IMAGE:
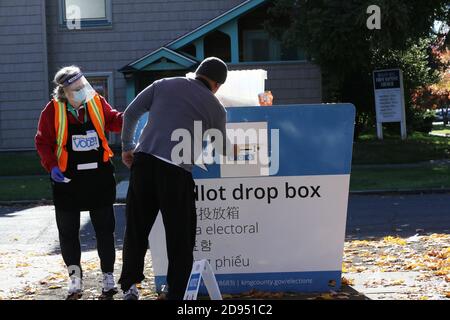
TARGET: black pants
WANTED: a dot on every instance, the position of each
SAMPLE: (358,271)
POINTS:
(68,222)
(156,185)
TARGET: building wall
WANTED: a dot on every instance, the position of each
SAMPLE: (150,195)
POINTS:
(33,46)
(290,82)
(23,71)
(138,28)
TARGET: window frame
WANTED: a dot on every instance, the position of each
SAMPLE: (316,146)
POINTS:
(114,138)
(260,34)
(109,75)
(275,47)
(86,23)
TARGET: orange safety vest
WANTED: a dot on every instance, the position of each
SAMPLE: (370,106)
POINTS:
(95,110)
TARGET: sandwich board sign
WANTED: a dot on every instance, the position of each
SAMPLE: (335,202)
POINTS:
(276,226)
(389,99)
(201,270)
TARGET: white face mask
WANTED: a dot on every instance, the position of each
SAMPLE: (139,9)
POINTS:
(80,95)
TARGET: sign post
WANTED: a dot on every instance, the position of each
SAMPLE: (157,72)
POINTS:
(389,99)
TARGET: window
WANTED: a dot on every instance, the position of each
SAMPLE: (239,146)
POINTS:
(259,46)
(100,85)
(189,50)
(102,82)
(218,44)
(79,14)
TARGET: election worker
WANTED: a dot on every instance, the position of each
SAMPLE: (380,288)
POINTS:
(72,144)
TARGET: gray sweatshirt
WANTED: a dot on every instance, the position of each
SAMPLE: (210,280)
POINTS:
(172,103)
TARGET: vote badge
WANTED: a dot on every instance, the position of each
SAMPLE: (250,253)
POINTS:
(88,142)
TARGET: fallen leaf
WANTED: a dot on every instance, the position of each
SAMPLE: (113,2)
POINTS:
(347,282)
(394,240)
(326,296)
(397,282)
(22,265)
(52,287)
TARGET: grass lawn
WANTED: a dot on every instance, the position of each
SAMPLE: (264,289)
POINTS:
(419,147)
(441,129)
(424,177)
(367,150)
(32,182)
(20,164)
(29,164)
(29,188)
(362,179)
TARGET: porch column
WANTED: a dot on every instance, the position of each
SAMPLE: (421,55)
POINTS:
(231,29)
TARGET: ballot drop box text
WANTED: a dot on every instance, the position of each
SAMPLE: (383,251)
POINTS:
(279,224)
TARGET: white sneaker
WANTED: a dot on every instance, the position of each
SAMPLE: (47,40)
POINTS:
(109,286)
(75,290)
(131,294)
(108,282)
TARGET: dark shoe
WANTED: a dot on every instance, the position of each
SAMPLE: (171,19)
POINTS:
(108,295)
(74,296)
(131,294)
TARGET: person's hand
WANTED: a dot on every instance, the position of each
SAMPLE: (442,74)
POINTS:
(127,158)
(57,175)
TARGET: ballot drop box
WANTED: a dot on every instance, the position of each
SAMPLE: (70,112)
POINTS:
(273,217)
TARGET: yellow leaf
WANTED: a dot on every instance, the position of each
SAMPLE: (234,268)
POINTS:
(22,265)
(347,282)
(326,296)
(145,293)
(397,282)
(394,240)
(52,287)
(438,236)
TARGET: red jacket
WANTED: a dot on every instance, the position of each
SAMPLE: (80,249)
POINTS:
(46,135)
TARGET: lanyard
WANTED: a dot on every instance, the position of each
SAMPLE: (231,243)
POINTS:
(74,112)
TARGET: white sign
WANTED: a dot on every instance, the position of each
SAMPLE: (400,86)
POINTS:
(201,270)
(243,223)
(273,230)
(389,98)
(389,105)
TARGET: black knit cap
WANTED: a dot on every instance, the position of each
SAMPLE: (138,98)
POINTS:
(213,68)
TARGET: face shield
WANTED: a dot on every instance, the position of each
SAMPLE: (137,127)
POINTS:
(78,90)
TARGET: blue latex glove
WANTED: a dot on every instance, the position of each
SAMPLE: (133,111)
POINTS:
(57,175)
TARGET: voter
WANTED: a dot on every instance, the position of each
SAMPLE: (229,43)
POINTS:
(160,182)
(72,144)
